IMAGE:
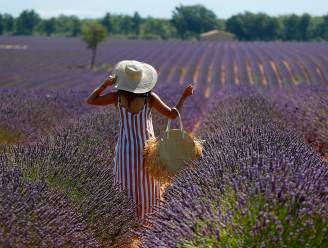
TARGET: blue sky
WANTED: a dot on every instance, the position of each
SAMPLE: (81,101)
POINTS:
(160,8)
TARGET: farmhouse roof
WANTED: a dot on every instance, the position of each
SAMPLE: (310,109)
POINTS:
(214,31)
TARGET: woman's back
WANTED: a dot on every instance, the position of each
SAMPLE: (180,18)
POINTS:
(133,102)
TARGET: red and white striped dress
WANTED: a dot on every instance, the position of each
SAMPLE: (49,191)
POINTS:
(129,170)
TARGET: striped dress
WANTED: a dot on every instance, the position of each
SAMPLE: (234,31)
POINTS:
(129,171)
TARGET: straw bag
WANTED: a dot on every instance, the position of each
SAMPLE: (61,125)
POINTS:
(166,156)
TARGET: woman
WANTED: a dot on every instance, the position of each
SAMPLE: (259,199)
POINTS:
(134,100)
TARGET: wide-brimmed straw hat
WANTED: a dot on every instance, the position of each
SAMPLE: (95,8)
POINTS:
(135,76)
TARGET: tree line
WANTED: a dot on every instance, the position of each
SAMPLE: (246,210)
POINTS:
(187,22)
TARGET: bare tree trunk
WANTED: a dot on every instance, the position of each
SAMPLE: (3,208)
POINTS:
(94,50)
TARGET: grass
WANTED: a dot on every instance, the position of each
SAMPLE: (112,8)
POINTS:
(8,136)
(57,182)
(283,226)
(102,67)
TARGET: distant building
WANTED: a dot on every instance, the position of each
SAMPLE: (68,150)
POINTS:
(217,35)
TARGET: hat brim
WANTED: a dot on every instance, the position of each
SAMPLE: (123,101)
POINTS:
(146,83)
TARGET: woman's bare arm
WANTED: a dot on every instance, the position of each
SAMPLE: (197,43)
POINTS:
(164,109)
(110,98)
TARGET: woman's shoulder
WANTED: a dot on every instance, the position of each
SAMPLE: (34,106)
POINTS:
(152,93)
(153,96)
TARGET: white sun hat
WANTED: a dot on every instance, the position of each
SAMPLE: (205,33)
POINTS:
(135,76)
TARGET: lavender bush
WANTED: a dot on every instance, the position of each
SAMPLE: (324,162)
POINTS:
(78,161)
(33,215)
(306,106)
(29,114)
(257,185)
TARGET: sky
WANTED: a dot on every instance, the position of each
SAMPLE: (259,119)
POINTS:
(161,8)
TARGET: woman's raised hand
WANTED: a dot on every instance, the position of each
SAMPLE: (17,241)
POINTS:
(110,80)
(189,90)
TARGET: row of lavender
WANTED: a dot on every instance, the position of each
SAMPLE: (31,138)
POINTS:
(306,107)
(258,183)
(27,114)
(63,62)
(59,192)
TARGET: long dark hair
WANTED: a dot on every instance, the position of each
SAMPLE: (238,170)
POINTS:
(132,95)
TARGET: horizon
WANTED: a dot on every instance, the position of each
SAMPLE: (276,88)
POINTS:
(148,8)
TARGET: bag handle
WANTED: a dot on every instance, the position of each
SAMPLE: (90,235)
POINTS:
(169,124)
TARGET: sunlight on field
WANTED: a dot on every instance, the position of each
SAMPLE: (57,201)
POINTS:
(277,74)
(321,75)
(290,72)
(8,136)
(223,78)
(236,73)
(135,243)
(197,125)
(264,80)
(250,74)
(16,47)
(182,72)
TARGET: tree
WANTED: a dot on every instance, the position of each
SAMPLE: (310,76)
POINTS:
(220,24)
(67,25)
(1,25)
(155,28)
(236,25)
(250,26)
(26,22)
(304,27)
(106,21)
(76,26)
(47,26)
(190,21)
(321,30)
(291,24)
(8,23)
(93,33)
(136,20)
(126,24)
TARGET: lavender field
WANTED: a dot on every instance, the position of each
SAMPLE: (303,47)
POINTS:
(40,62)
(261,107)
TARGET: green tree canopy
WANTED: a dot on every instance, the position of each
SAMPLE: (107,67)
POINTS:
(8,23)
(250,26)
(93,33)
(47,26)
(136,22)
(187,22)
(192,20)
(106,21)
(304,27)
(67,25)
(1,25)
(322,28)
(155,28)
(26,22)
(291,30)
